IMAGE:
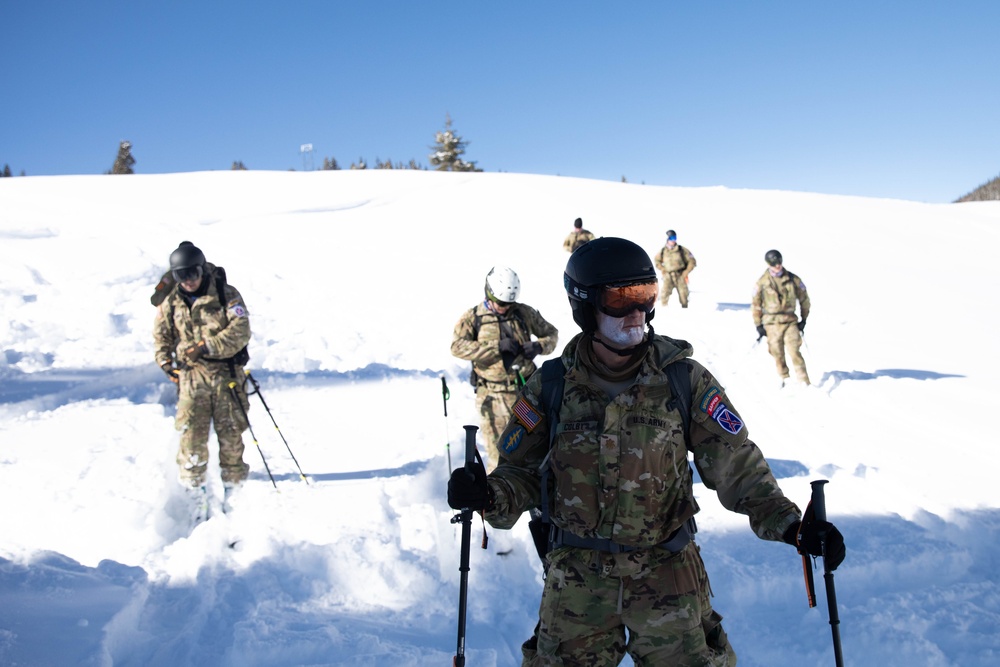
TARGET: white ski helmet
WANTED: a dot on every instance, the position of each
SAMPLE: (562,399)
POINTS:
(502,284)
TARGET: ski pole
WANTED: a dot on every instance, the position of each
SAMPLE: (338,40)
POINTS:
(445,395)
(256,390)
(819,508)
(236,398)
(466,518)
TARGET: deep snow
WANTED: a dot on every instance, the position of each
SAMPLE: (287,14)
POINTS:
(354,281)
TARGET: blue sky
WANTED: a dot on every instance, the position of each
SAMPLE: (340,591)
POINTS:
(884,99)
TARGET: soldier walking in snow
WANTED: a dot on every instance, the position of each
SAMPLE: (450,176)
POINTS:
(773,309)
(675,262)
(200,336)
(496,336)
(577,237)
(623,574)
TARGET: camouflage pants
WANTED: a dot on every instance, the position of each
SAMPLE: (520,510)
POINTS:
(494,412)
(785,337)
(205,399)
(673,281)
(591,598)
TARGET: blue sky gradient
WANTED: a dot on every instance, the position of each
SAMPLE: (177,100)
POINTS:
(885,99)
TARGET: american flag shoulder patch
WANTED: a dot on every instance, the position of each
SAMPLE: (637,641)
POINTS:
(526,414)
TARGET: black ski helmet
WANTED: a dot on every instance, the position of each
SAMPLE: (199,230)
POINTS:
(671,233)
(772,257)
(186,256)
(603,261)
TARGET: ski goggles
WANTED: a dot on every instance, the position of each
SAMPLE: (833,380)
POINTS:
(187,273)
(620,300)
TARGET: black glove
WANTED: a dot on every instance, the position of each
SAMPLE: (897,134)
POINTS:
(509,346)
(171,372)
(195,352)
(468,490)
(531,349)
(760,331)
(802,326)
(809,537)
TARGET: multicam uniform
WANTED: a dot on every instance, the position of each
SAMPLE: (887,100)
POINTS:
(476,338)
(204,395)
(577,238)
(674,264)
(773,305)
(620,479)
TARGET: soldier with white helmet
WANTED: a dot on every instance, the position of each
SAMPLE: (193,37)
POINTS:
(501,337)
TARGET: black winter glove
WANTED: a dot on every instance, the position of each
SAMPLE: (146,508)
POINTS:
(468,490)
(531,350)
(811,535)
(802,326)
(760,332)
(171,372)
(195,352)
(509,346)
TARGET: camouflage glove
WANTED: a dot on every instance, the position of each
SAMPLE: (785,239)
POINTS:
(760,332)
(195,352)
(468,489)
(171,372)
(802,326)
(531,349)
(817,538)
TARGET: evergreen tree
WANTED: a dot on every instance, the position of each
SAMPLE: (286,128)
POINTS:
(360,165)
(6,171)
(124,161)
(448,151)
(330,164)
(238,166)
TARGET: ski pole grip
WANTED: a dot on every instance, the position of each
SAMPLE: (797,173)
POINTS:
(470,446)
(819,499)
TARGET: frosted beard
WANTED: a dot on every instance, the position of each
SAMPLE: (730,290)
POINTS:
(621,332)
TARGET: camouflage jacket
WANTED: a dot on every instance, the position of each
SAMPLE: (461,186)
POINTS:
(774,298)
(577,239)
(477,338)
(177,326)
(675,260)
(619,467)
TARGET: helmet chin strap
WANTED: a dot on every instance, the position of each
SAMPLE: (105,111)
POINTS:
(629,351)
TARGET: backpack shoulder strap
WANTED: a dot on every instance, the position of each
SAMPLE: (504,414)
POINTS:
(553,382)
(679,376)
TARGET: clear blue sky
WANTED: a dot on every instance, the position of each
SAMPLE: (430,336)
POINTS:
(886,99)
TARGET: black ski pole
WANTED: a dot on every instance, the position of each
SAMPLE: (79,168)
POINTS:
(445,395)
(819,509)
(236,398)
(466,518)
(256,390)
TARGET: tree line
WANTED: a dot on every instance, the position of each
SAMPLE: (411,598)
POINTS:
(448,149)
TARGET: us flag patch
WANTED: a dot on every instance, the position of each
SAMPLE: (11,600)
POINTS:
(526,414)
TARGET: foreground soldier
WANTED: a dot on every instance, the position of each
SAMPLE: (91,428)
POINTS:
(197,336)
(773,309)
(577,237)
(675,263)
(617,485)
(496,337)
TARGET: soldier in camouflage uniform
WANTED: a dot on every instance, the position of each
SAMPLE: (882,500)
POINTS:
(577,237)
(675,262)
(624,574)
(496,336)
(196,333)
(773,309)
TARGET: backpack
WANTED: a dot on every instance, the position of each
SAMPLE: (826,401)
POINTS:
(166,284)
(553,382)
(477,322)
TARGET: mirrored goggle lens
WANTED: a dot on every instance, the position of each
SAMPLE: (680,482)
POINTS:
(621,300)
(187,273)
